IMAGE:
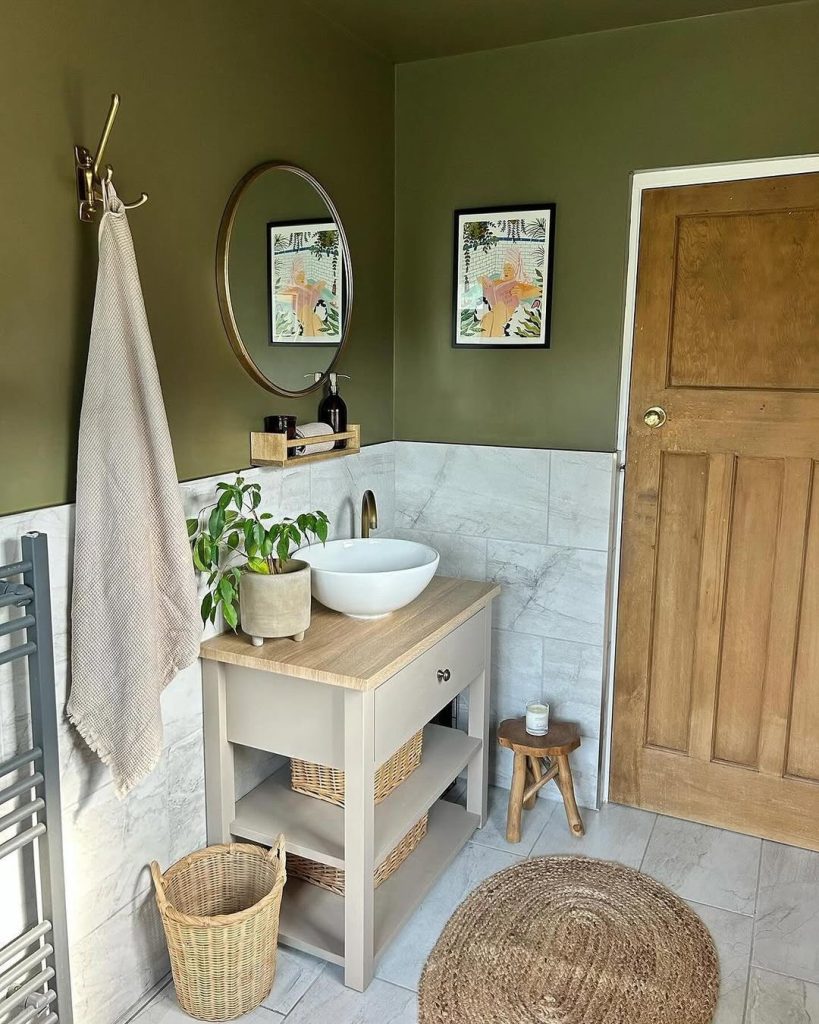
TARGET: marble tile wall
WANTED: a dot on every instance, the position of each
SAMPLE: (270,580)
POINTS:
(117,949)
(538,522)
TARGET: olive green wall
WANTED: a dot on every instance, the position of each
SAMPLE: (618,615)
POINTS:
(568,121)
(208,89)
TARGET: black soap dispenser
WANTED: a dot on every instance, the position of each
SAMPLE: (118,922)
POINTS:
(333,408)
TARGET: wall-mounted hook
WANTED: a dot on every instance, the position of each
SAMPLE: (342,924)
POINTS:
(89,174)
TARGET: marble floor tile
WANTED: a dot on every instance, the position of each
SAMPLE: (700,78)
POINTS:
(613,833)
(786,937)
(732,934)
(403,961)
(295,973)
(327,1001)
(494,831)
(776,999)
(705,864)
(580,496)
(549,591)
(461,556)
(165,1009)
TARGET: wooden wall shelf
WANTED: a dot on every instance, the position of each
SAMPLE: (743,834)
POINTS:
(275,450)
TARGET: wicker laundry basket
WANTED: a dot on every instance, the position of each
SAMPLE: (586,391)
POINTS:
(220,911)
(327,877)
(328,783)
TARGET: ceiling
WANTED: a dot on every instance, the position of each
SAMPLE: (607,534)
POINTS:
(405,30)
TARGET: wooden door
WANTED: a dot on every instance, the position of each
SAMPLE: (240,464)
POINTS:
(716,714)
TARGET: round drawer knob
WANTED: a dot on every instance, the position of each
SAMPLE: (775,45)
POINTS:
(444,675)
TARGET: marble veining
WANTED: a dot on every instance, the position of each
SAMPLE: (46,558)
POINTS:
(704,864)
(775,999)
(786,937)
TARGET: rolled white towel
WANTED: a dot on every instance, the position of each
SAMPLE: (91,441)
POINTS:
(314,430)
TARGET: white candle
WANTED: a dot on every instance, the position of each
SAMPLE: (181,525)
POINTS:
(537,718)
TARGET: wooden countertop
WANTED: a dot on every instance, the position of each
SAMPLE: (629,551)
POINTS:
(358,654)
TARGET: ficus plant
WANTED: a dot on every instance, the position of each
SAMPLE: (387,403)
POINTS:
(231,537)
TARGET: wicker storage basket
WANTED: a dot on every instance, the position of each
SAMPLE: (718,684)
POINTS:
(328,783)
(220,911)
(327,877)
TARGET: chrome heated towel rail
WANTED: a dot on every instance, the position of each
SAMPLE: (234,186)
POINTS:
(35,984)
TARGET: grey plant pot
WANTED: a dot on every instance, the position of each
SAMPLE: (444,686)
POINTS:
(278,605)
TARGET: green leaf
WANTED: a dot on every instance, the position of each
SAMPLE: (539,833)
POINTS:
(258,565)
(224,500)
(266,515)
(283,546)
(231,616)
(233,540)
(321,530)
(192,526)
(216,522)
(226,589)
(207,607)
(201,554)
(256,496)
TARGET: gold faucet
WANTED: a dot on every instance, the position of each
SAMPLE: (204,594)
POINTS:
(369,514)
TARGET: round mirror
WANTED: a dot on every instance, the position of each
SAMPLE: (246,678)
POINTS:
(284,278)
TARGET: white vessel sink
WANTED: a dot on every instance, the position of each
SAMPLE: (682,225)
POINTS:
(368,579)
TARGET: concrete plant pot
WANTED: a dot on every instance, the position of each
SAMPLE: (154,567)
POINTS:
(277,605)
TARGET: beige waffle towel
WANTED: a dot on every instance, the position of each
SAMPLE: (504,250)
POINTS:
(134,615)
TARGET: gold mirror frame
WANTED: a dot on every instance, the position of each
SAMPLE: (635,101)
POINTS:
(223,280)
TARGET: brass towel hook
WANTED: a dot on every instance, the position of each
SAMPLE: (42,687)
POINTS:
(90,172)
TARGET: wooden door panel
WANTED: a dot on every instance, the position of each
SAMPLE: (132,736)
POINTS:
(803,742)
(717,663)
(735,323)
(679,550)
(757,495)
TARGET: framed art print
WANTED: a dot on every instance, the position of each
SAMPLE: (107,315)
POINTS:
(503,277)
(305,283)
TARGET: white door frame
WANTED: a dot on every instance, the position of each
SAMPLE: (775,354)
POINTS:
(640,181)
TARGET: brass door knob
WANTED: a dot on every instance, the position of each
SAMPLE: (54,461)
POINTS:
(654,417)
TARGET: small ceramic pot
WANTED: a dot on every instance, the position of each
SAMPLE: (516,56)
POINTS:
(278,605)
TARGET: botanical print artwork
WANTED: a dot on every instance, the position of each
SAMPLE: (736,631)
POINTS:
(503,276)
(305,276)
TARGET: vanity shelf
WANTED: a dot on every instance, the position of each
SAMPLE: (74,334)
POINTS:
(312,919)
(315,828)
(267,449)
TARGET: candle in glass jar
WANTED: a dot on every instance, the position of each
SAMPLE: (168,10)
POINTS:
(537,718)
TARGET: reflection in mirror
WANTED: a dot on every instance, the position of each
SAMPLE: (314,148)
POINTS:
(285,284)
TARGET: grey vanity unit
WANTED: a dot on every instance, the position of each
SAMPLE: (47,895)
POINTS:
(349,696)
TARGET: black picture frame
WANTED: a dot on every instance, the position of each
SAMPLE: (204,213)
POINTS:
(273,225)
(505,212)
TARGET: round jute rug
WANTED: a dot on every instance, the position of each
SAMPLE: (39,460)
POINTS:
(570,940)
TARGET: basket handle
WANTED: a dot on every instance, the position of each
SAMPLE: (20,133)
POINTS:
(278,850)
(156,875)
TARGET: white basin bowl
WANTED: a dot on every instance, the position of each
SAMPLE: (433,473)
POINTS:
(368,579)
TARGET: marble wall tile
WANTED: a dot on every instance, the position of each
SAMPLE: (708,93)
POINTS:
(185,773)
(573,683)
(461,556)
(786,937)
(550,591)
(775,999)
(704,864)
(337,486)
(732,935)
(473,490)
(517,673)
(580,499)
(114,966)
(108,844)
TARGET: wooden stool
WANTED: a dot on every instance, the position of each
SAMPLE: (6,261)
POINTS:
(538,759)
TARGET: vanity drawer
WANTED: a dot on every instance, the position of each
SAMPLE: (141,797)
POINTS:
(410,698)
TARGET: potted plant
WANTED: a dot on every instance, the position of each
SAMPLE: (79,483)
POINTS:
(246,557)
